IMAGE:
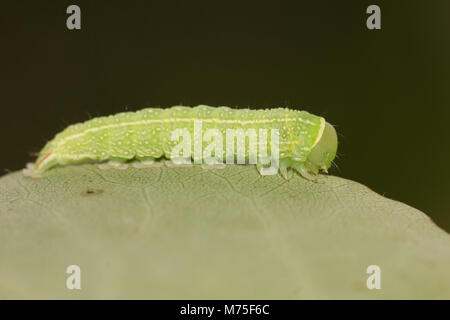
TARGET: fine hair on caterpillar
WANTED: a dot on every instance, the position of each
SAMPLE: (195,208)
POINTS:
(276,140)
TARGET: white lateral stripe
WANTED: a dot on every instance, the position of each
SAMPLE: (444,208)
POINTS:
(93,156)
(143,122)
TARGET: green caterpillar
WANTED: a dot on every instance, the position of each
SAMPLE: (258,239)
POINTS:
(304,142)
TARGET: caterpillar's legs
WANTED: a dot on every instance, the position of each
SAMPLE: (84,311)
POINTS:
(213,164)
(28,171)
(287,167)
(284,168)
(259,167)
(312,168)
(268,166)
(179,163)
(217,166)
(146,162)
(300,167)
(114,163)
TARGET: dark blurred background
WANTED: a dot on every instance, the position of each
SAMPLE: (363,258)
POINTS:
(385,90)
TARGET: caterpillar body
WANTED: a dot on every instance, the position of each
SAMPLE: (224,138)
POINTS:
(306,143)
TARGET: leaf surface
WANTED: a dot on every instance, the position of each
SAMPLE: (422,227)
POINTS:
(190,233)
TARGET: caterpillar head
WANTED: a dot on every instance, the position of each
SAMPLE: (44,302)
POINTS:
(324,151)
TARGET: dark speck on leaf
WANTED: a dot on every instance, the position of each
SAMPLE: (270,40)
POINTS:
(92,192)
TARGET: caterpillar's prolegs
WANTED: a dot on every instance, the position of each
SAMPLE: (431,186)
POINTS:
(28,171)
(147,164)
(171,164)
(138,163)
(287,167)
(152,163)
(114,163)
(218,166)
(304,172)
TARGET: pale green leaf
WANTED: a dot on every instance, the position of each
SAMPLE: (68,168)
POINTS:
(191,233)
